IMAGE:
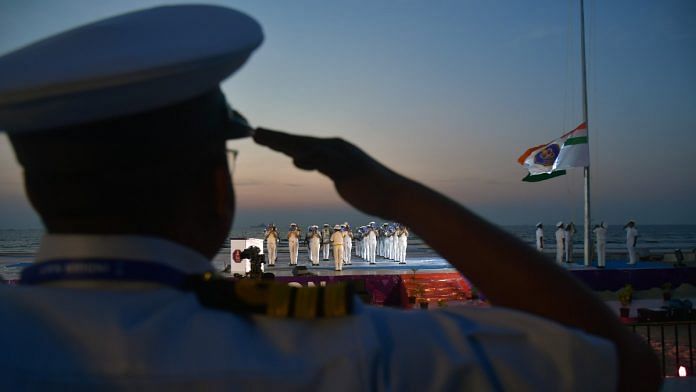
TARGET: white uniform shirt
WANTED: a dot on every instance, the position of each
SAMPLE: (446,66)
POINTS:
(560,236)
(631,234)
(337,238)
(158,338)
(272,237)
(600,235)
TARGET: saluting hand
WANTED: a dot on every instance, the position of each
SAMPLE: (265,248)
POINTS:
(363,182)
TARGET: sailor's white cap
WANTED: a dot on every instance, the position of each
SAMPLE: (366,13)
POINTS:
(559,224)
(123,65)
(293,224)
(337,227)
(538,224)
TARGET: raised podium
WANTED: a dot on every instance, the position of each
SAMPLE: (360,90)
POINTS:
(238,265)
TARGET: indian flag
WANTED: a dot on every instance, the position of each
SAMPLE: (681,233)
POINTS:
(550,159)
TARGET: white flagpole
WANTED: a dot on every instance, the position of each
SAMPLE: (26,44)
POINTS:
(585,120)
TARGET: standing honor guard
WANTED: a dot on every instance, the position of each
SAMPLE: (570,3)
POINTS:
(363,242)
(347,243)
(568,238)
(358,241)
(600,232)
(631,240)
(560,239)
(294,235)
(382,240)
(272,238)
(540,237)
(326,240)
(395,241)
(388,241)
(337,244)
(314,245)
(372,243)
(403,242)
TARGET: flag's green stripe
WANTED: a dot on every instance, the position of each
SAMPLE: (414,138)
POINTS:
(544,176)
(576,140)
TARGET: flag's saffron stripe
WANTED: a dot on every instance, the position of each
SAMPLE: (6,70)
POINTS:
(582,127)
(576,140)
(529,152)
(544,176)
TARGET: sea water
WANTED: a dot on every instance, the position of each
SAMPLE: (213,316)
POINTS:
(18,247)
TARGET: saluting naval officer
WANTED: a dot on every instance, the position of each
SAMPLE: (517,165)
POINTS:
(121,130)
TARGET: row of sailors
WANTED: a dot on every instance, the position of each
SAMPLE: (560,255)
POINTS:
(564,241)
(389,241)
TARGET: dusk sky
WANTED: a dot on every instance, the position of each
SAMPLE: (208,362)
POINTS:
(449,93)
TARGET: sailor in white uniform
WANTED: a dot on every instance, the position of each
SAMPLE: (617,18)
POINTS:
(402,244)
(395,243)
(123,294)
(294,235)
(600,232)
(326,240)
(372,242)
(358,241)
(314,245)
(364,247)
(560,241)
(539,237)
(389,246)
(337,245)
(272,239)
(631,241)
(382,240)
(568,244)
(347,243)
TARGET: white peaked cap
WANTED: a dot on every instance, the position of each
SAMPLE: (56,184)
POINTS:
(539,224)
(337,227)
(559,224)
(123,65)
(293,224)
